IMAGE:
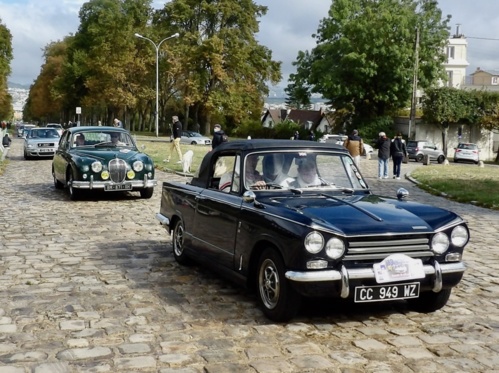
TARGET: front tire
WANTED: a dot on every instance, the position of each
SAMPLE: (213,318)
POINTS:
(146,193)
(178,243)
(279,300)
(74,193)
(441,159)
(430,301)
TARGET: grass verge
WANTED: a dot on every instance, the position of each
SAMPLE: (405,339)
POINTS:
(463,183)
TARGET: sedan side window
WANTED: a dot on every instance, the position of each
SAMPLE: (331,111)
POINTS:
(227,169)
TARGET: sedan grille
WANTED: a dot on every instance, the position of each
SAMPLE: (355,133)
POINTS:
(45,145)
(117,170)
(378,249)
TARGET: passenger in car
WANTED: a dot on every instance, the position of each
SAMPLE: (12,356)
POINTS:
(80,140)
(307,175)
(273,169)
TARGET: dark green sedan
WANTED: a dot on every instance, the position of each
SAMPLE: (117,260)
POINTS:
(101,158)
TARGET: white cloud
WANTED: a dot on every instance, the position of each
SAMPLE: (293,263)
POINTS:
(286,29)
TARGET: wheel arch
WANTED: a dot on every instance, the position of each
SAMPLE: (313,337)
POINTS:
(257,251)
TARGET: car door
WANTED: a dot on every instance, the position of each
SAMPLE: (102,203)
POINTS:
(430,149)
(217,216)
(60,160)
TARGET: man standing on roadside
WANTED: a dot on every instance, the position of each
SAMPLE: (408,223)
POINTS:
(218,136)
(177,134)
(383,146)
(355,146)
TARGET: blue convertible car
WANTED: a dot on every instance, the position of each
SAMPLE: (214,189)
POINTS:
(295,219)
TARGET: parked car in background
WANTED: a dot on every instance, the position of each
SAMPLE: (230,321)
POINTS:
(417,149)
(101,159)
(23,129)
(57,126)
(340,140)
(193,138)
(467,152)
(40,142)
(296,219)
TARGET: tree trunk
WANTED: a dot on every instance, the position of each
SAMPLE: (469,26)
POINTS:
(445,131)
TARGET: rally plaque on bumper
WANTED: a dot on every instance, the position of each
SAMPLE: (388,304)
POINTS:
(396,267)
(117,187)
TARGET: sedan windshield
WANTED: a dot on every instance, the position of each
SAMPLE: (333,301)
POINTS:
(299,170)
(101,139)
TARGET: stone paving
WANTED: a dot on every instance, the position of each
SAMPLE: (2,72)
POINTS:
(91,286)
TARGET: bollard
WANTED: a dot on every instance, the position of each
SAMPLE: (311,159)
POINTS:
(426,160)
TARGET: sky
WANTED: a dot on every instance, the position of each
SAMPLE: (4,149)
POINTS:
(286,29)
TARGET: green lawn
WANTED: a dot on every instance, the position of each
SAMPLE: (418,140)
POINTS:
(463,183)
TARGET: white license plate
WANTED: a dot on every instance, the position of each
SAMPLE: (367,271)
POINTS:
(46,150)
(117,187)
(398,267)
(379,293)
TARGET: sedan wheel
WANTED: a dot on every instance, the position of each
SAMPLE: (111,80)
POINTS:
(74,193)
(419,158)
(441,159)
(430,301)
(178,244)
(146,193)
(194,143)
(279,300)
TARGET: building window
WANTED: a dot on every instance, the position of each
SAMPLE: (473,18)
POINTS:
(450,52)
(495,80)
(450,76)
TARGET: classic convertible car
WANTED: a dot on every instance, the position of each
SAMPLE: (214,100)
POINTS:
(295,219)
(101,158)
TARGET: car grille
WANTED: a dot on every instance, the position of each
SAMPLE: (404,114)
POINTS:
(376,249)
(46,145)
(117,170)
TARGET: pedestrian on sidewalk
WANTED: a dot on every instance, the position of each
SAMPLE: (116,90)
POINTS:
(177,134)
(219,136)
(355,146)
(398,151)
(383,146)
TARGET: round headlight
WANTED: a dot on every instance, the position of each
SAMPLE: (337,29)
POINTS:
(96,166)
(138,166)
(314,242)
(335,248)
(459,236)
(440,243)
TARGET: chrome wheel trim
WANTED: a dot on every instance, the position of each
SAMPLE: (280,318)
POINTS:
(269,284)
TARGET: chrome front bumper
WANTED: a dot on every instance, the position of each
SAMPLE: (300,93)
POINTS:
(136,184)
(344,275)
(163,219)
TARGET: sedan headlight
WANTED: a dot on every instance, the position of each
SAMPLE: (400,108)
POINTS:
(314,242)
(440,243)
(96,166)
(459,236)
(138,166)
(335,248)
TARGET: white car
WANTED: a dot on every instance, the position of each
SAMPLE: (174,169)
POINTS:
(368,149)
(41,143)
(57,126)
(193,138)
(466,152)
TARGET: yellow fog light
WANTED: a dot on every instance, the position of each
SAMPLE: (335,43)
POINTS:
(130,174)
(104,175)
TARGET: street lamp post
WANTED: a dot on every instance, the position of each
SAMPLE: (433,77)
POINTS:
(156,46)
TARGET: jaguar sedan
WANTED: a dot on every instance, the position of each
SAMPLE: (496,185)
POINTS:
(40,142)
(101,159)
(296,219)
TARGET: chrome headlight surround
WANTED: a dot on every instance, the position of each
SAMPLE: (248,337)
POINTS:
(440,243)
(138,166)
(96,166)
(314,242)
(335,248)
(459,236)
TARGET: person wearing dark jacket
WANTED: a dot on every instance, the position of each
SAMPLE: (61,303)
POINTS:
(218,136)
(383,146)
(398,151)
(177,134)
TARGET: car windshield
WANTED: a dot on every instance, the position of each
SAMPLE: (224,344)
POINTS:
(302,169)
(98,138)
(195,134)
(42,133)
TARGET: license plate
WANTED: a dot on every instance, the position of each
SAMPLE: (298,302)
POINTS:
(117,187)
(379,293)
(398,267)
(46,150)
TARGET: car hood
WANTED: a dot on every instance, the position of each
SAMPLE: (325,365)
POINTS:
(104,155)
(362,215)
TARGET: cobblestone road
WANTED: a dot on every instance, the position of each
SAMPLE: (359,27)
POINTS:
(91,286)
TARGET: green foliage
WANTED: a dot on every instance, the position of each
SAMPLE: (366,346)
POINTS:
(6,109)
(369,129)
(365,53)
(298,90)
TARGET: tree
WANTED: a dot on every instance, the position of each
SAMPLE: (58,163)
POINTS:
(5,59)
(443,106)
(224,69)
(298,90)
(364,58)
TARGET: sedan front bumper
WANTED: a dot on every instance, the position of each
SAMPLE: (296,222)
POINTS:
(435,273)
(133,184)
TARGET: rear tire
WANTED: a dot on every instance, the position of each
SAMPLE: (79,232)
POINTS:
(280,302)
(430,301)
(419,158)
(57,183)
(441,159)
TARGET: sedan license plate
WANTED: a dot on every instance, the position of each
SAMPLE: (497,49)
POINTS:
(380,293)
(117,187)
